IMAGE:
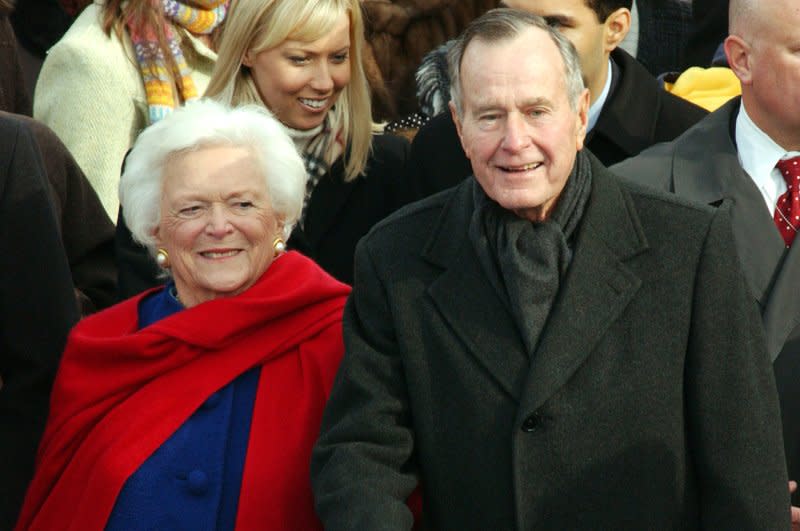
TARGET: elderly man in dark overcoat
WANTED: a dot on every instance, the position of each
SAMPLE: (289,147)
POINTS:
(543,347)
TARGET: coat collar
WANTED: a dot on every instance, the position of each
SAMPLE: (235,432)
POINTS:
(629,116)
(695,174)
(598,286)
(327,200)
(467,300)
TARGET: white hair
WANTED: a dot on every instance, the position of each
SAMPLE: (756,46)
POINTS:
(504,24)
(201,124)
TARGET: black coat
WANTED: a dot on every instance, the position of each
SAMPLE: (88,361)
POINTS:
(708,30)
(703,165)
(37,309)
(648,404)
(86,231)
(14,95)
(637,114)
(337,216)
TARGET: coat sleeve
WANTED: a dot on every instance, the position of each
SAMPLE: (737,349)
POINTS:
(37,309)
(733,422)
(86,230)
(361,467)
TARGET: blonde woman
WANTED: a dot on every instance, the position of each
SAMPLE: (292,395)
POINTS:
(302,59)
(121,66)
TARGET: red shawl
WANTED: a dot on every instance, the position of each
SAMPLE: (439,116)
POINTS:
(120,393)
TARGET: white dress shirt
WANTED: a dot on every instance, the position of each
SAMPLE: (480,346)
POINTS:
(597,107)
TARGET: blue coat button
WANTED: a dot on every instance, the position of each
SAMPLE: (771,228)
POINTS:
(197,482)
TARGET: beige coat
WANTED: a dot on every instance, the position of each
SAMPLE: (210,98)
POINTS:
(90,92)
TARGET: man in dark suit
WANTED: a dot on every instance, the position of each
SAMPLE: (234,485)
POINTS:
(542,347)
(37,309)
(731,158)
(629,110)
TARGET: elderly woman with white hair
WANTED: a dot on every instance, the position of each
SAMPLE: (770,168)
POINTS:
(195,405)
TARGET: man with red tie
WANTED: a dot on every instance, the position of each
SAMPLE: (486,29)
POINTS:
(746,157)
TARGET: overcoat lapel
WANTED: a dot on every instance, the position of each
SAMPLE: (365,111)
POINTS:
(629,116)
(781,314)
(467,301)
(597,288)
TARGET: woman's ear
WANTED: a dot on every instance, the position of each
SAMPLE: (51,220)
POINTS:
(247,60)
(156,234)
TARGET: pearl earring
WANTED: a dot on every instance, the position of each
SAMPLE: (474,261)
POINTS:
(279,245)
(162,258)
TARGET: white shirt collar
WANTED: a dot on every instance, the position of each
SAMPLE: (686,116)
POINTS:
(597,107)
(758,155)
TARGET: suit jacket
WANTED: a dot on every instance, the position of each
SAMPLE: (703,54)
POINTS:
(703,165)
(37,309)
(648,404)
(637,114)
(337,216)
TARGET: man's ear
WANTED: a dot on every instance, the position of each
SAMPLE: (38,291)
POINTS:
(583,119)
(737,50)
(615,28)
(457,121)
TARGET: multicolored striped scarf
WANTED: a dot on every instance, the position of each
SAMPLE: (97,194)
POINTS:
(163,92)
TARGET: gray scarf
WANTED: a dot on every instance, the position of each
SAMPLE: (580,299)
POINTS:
(525,261)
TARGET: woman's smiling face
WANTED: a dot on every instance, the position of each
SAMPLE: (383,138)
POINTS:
(217,222)
(300,81)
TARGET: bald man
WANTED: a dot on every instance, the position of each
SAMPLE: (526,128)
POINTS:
(730,160)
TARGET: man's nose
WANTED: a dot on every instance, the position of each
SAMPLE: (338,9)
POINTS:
(517,135)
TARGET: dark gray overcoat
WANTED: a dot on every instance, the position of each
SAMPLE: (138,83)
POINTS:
(703,165)
(648,404)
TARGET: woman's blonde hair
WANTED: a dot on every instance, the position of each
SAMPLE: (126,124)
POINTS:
(258,25)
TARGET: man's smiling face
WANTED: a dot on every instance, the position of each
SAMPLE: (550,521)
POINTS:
(518,128)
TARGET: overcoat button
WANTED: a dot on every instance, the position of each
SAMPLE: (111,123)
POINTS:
(197,482)
(531,423)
